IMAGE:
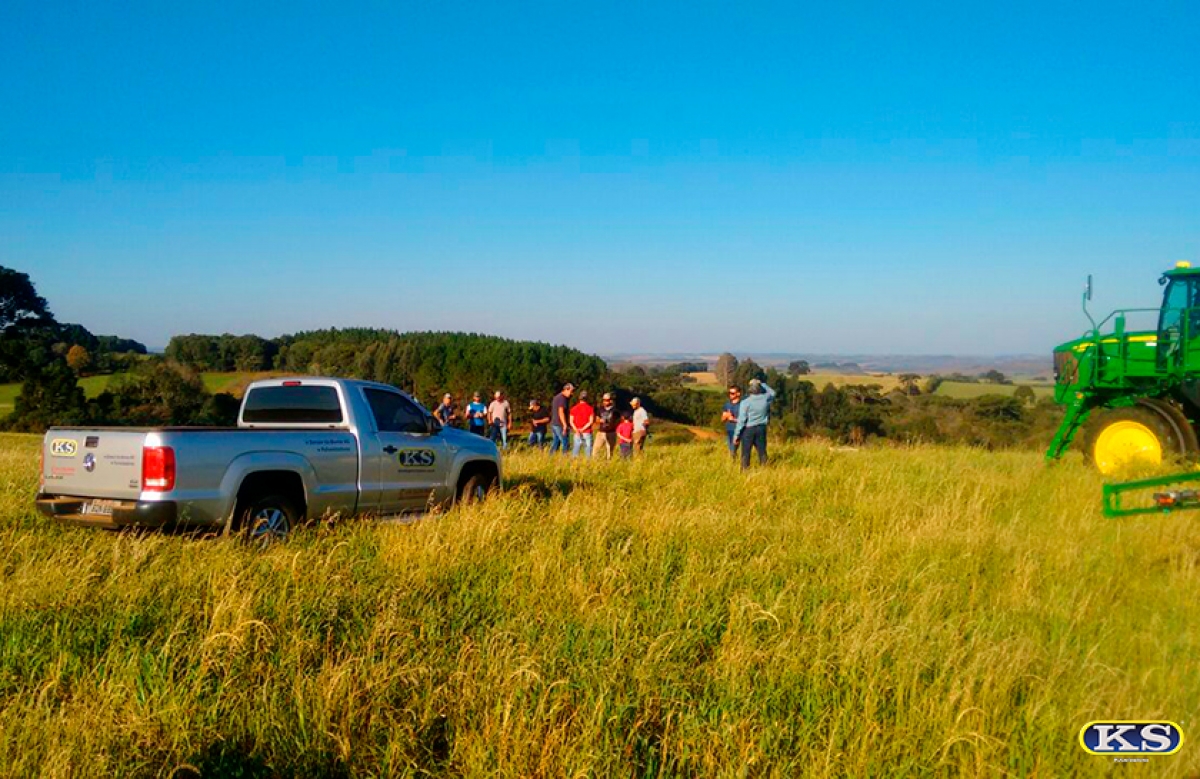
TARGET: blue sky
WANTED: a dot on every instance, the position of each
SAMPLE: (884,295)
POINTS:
(836,177)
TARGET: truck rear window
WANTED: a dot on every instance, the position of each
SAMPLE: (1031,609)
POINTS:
(292,405)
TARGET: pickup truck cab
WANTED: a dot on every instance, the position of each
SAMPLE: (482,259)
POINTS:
(303,448)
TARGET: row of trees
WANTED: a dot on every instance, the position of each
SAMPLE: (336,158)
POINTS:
(223,353)
(153,392)
(425,364)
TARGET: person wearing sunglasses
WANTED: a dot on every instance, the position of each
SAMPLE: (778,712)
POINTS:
(729,415)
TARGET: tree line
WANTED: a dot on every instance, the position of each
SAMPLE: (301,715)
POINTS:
(49,357)
(425,364)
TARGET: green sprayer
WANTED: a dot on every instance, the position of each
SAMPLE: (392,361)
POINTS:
(1134,393)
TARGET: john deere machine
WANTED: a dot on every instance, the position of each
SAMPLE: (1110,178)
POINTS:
(1134,394)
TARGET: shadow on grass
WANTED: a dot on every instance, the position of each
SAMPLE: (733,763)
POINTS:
(238,761)
(540,487)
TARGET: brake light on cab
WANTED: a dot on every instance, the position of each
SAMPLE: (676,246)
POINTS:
(158,468)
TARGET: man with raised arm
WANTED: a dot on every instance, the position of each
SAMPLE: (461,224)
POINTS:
(753,416)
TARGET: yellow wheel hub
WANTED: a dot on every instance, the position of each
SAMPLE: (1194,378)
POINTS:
(1124,443)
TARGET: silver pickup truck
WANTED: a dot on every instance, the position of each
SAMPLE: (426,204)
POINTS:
(303,447)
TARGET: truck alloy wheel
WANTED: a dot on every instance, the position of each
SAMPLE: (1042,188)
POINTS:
(475,489)
(268,520)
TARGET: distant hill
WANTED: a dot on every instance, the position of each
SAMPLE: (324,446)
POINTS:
(1017,366)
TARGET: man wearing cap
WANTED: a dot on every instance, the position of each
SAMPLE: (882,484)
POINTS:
(446,413)
(539,420)
(753,416)
(559,422)
(607,420)
(641,425)
(583,419)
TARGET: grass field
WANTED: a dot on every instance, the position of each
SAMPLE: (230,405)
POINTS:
(953,389)
(708,381)
(959,389)
(880,612)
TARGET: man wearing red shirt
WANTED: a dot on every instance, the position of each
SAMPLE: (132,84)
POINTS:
(583,418)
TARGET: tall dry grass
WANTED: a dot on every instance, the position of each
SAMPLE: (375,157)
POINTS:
(874,613)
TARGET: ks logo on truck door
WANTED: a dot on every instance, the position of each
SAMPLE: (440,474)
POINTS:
(64,447)
(417,458)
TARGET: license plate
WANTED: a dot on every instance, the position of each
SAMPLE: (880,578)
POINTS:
(102,507)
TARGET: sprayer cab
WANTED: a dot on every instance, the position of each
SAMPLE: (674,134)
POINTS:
(1137,390)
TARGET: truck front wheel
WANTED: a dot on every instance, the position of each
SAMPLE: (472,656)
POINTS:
(476,488)
(1124,437)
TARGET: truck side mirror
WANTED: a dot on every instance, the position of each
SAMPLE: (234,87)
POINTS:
(431,426)
(1087,290)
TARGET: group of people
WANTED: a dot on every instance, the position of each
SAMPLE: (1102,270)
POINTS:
(592,431)
(603,430)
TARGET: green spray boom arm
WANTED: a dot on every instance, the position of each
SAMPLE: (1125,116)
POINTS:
(1164,501)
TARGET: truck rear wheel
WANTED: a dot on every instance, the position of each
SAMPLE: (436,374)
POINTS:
(1124,437)
(269,519)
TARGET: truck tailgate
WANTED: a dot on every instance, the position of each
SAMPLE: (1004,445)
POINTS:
(93,463)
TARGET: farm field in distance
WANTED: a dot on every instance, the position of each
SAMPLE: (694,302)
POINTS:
(962,389)
(234,383)
(885,611)
(953,389)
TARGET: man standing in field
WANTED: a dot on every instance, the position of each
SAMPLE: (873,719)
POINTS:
(583,418)
(539,420)
(607,420)
(641,426)
(499,416)
(559,422)
(477,415)
(729,415)
(753,416)
(446,413)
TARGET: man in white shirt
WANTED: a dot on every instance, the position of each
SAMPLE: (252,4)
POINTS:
(499,416)
(641,423)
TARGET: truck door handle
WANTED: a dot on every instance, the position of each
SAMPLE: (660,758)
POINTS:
(389,449)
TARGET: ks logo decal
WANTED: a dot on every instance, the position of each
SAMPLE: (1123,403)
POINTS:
(64,447)
(1131,737)
(417,458)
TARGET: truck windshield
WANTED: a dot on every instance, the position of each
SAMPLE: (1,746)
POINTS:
(292,405)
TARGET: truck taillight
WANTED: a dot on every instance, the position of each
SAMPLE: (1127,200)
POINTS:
(158,468)
(42,467)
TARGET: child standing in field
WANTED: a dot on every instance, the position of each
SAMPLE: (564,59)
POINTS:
(625,436)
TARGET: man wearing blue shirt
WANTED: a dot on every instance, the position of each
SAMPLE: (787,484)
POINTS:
(729,415)
(477,415)
(753,415)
